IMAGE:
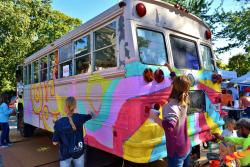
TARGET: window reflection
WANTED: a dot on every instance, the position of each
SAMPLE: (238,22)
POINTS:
(207,58)
(105,36)
(25,77)
(104,50)
(35,72)
(151,46)
(29,74)
(44,62)
(184,53)
(83,64)
(53,61)
(82,54)
(82,46)
(105,59)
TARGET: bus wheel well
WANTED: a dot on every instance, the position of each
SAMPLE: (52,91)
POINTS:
(26,130)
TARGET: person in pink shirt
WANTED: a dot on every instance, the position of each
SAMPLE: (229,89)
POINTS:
(174,123)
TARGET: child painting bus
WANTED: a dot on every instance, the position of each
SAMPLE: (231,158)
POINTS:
(114,65)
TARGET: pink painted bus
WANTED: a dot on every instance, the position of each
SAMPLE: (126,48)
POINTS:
(114,66)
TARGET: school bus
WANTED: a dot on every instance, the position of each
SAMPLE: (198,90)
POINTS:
(114,65)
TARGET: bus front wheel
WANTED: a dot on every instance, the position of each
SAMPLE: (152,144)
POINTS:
(26,130)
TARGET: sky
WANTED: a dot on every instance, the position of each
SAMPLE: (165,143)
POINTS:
(87,9)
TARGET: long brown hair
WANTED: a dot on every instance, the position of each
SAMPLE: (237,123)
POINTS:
(70,104)
(181,86)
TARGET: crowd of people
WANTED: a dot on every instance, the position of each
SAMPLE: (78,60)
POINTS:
(232,97)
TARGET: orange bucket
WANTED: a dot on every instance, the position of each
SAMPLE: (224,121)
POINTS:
(214,163)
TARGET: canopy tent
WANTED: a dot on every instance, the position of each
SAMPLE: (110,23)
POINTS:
(227,74)
(244,80)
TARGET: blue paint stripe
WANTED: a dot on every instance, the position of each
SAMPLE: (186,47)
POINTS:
(215,116)
(105,107)
(159,150)
(137,69)
(81,108)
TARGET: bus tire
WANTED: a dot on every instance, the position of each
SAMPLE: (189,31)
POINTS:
(104,159)
(26,130)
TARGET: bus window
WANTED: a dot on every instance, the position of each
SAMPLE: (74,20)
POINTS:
(29,74)
(53,62)
(207,58)
(44,62)
(25,78)
(104,50)
(151,46)
(184,53)
(82,54)
(65,60)
(197,101)
(36,72)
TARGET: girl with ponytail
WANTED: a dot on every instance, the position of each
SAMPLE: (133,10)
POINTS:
(174,123)
(68,133)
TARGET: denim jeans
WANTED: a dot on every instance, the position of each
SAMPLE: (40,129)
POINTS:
(5,133)
(79,162)
(176,161)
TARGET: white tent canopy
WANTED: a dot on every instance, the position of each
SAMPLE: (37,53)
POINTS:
(227,74)
(243,80)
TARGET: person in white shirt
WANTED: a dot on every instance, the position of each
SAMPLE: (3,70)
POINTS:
(229,128)
(228,147)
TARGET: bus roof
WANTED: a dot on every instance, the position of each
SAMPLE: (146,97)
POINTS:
(105,16)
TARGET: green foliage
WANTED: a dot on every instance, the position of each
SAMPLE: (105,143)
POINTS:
(240,63)
(199,8)
(235,27)
(221,65)
(25,27)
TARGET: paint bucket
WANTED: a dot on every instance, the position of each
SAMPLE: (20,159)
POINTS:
(214,163)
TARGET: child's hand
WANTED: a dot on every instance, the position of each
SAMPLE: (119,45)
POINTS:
(156,112)
(153,114)
(218,136)
(167,65)
(93,114)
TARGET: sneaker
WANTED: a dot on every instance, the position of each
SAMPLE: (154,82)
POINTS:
(4,146)
(10,144)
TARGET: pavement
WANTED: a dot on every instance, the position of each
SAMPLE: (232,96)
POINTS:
(38,151)
(29,152)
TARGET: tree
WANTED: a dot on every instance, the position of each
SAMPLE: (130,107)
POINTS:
(199,8)
(221,65)
(25,27)
(240,63)
(235,26)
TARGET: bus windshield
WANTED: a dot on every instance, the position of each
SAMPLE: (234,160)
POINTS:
(184,53)
(151,46)
(207,58)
